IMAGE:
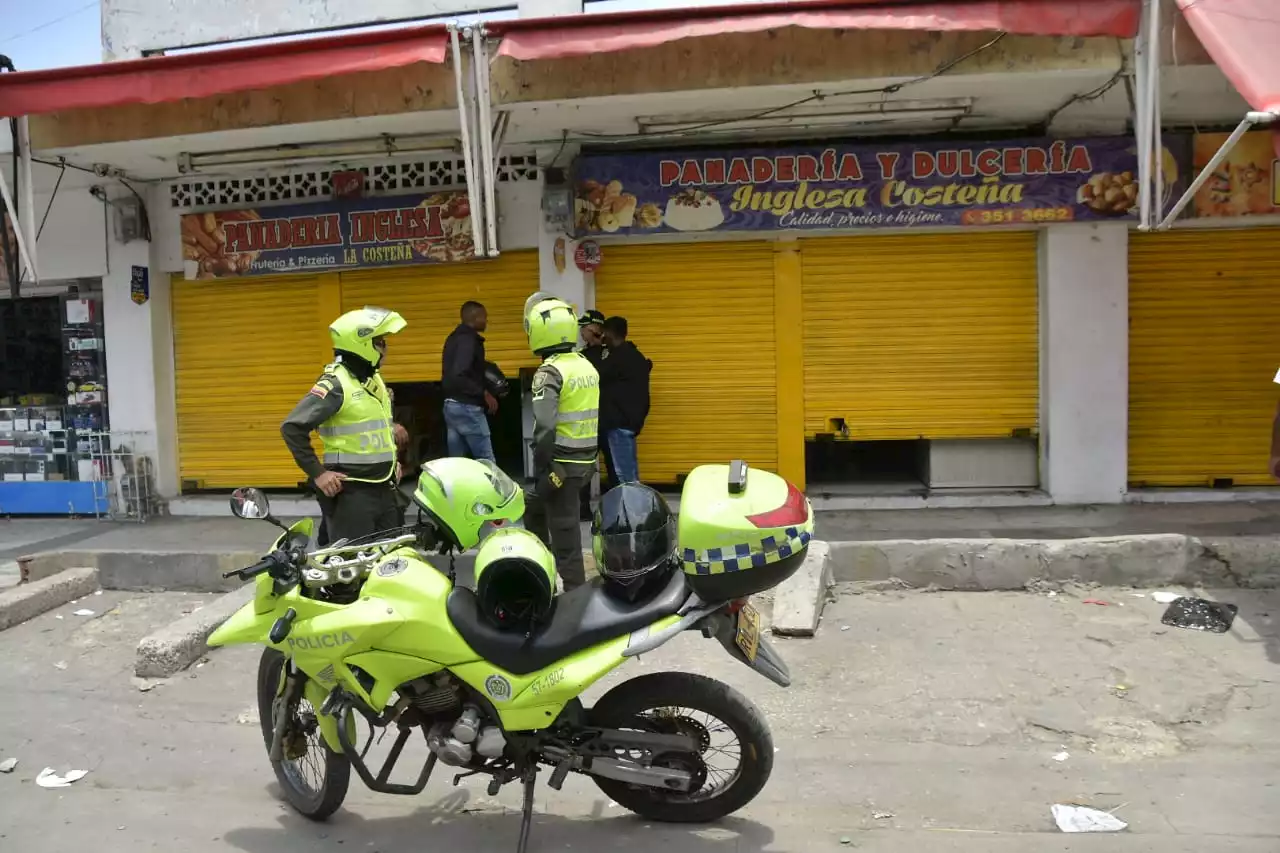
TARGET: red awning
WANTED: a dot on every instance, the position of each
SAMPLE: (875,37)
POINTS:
(159,79)
(1243,37)
(555,38)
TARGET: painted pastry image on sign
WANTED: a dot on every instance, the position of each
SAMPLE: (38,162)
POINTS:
(349,233)
(1246,183)
(839,186)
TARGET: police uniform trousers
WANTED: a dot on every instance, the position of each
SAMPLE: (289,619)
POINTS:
(359,510)
(553,516)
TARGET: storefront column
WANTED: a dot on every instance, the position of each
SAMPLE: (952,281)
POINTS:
(573,285)
(139,349)
(788,312)
(1084,362)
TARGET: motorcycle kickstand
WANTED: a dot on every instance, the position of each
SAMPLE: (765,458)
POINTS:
(530,778)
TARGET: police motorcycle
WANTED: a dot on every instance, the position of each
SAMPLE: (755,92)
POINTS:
(492,676)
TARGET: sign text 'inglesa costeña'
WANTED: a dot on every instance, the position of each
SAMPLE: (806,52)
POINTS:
(977,177)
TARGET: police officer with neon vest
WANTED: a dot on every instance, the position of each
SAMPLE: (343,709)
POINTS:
(566,402)
(350,406)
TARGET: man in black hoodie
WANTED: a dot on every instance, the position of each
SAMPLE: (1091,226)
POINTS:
(624,401)
(466,397)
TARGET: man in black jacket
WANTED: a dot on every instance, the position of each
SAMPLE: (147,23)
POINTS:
(624,401)
(466,398)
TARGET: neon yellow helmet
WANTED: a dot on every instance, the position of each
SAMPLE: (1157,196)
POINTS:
(550,323)
(515,579)
(462,494)
(356,331)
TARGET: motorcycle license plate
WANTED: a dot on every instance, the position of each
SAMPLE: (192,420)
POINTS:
(748,636)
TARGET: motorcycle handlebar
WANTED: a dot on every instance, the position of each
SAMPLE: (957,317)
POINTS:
(266,564)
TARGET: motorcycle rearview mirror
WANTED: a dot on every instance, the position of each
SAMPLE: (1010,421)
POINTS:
(252,504)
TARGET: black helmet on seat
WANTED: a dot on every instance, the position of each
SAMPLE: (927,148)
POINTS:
(633,539)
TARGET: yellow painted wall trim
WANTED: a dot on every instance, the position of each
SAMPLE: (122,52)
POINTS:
(788,308)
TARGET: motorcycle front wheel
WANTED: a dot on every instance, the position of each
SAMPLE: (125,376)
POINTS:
(313,777)
(735,754)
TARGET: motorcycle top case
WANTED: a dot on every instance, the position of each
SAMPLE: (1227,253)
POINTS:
(741,530)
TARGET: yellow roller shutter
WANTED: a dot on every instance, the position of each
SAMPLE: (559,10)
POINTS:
(429,297)
(703,313)
(244,351)
(921,336)
(1204,307)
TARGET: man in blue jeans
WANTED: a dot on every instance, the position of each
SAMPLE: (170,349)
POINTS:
(466,399)
(624,401)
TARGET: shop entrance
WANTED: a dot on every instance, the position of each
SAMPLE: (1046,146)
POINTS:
(867,466)
(420,408)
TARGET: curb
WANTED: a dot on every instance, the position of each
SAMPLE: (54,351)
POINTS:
(28,600)
(798,603)
(177,645)
(1010,564)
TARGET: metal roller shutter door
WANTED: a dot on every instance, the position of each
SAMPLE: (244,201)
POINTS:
(245,351)
(921,336)
(703,313)
(1203,312)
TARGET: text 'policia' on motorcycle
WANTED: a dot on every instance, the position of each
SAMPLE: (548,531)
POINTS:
(493,676)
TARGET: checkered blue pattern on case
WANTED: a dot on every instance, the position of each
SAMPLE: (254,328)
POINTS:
(716,561)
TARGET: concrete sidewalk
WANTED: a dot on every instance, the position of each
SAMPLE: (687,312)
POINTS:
(215,534)
(1221,543)
(916,722)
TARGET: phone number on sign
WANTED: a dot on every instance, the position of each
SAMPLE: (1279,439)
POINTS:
(1015,215)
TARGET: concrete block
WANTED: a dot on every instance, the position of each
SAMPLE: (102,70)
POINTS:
(995,564)
(29,600)
(798,602)
(176,646)
(1247,561)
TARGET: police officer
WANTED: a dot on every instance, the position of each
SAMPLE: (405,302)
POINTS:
(350,406)
(566,400)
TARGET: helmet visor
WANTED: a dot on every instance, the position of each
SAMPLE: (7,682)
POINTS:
(634,553)
(502,484)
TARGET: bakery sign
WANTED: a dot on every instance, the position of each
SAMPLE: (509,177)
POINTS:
(350,233)
(839,186)
(1246,182)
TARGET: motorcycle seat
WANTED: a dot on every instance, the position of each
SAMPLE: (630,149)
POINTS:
(579,620)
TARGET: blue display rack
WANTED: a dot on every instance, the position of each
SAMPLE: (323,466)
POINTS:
(53,498)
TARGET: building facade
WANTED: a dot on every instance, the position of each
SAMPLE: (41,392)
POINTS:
(880,260)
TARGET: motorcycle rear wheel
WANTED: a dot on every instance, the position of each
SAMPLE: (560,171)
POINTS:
(315,780)
(680,702)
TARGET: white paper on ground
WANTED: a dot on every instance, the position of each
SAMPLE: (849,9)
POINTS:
(1165,597)
(83,613)
(49,779)
(1085,819)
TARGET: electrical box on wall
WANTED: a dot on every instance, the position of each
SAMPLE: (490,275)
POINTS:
(557,201)
(128,219)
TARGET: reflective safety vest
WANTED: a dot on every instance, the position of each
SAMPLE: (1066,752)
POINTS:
(578,417)
(359,440)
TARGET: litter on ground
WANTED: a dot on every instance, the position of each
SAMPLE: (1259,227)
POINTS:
(83,612)
(1085,819)
(8,765)
(1199,614)
(1165,597)
(49,779)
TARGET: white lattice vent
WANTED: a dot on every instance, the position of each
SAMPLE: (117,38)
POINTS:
(303,184)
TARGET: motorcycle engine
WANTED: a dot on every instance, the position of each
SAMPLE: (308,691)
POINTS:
(432,695)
